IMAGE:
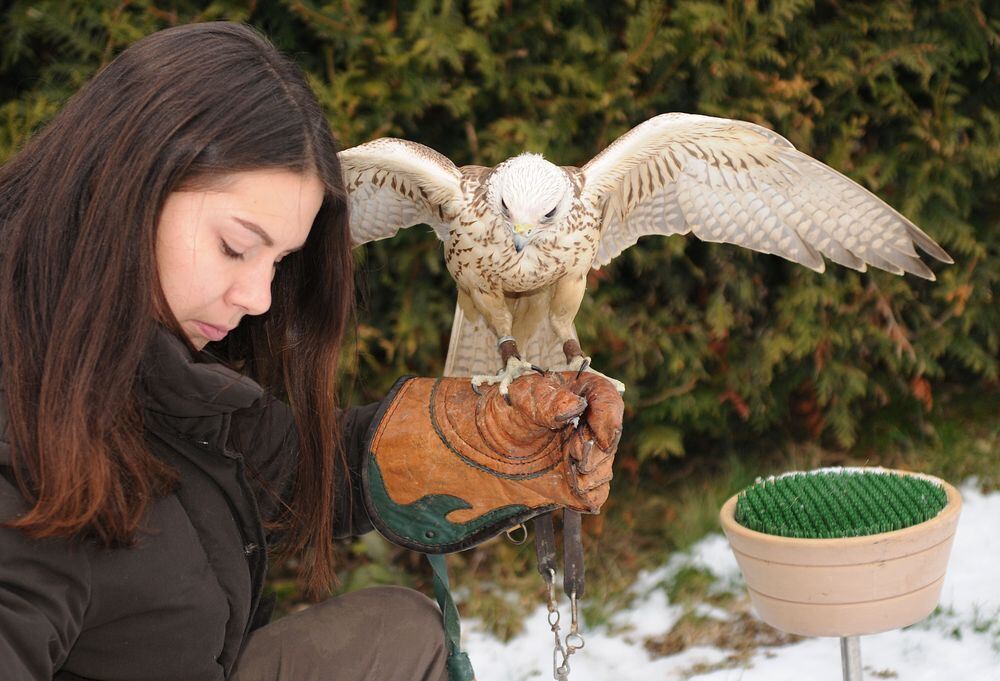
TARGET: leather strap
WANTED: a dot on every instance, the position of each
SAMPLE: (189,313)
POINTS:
(458,665)
(573,570)
(545,546)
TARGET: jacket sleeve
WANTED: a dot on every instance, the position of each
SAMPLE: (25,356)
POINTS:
(266,436)
(44,591)
(350,506)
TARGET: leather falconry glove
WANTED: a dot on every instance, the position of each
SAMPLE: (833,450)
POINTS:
(448,468)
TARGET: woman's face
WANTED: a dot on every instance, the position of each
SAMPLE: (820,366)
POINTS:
(217,249)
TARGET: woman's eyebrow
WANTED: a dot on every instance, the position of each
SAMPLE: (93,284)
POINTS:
(256,229)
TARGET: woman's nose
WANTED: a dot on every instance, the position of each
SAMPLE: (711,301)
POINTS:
(252,291)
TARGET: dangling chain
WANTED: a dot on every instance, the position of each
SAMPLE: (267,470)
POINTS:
(574,641)
(572,583)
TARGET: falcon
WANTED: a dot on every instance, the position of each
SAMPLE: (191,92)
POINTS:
(520,238)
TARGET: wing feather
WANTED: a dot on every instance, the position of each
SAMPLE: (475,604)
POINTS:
(393,184)
(736,182)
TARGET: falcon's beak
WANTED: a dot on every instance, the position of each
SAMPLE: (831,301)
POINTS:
(521,234)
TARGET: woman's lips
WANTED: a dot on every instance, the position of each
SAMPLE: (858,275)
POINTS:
(212,333)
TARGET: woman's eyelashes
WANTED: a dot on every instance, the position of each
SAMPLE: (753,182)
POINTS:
(233,254)
(228,251)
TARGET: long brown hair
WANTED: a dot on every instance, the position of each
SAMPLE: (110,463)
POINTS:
(80,296)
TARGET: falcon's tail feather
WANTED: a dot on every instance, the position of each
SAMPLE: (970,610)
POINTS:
(472,349)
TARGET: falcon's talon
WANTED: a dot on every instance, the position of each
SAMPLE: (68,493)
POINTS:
(514,369)
(581,364)
(479,380)
(535,367)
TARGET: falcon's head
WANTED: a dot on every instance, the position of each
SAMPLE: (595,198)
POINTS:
(530,195)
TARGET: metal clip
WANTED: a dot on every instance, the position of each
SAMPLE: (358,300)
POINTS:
(560,671)
(573,642)
(574,627)
(520,540)
(572,585)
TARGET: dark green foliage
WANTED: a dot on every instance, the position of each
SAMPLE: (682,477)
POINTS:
(838,503)
(718,346)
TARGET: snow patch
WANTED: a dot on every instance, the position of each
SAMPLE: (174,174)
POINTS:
(959,641)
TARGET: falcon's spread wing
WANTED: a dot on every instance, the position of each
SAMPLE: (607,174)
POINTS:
(736,182)
(394,183)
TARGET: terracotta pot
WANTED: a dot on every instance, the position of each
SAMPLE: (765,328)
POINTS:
(846,587)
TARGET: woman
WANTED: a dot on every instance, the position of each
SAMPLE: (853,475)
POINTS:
(175,258)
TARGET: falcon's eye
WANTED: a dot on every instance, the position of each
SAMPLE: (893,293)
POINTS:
(551,213)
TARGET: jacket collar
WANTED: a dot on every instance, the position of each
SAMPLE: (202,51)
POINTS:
(188,390)
(173,382)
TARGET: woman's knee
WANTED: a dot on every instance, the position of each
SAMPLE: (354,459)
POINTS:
(406,628)
(390,632)
(401,612)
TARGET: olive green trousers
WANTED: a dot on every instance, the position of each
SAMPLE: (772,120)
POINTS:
(377,634)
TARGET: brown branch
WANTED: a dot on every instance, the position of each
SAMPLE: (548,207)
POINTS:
(308,12)
(673,391)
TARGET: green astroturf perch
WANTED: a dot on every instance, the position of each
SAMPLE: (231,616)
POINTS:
(841,502)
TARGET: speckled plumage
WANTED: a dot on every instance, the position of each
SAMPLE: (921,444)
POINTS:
(520,238)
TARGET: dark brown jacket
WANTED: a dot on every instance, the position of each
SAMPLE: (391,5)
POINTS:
(179,604)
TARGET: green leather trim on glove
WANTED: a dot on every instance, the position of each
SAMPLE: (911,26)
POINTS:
(423,525)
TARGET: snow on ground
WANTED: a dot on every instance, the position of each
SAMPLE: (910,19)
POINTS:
(959,642)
